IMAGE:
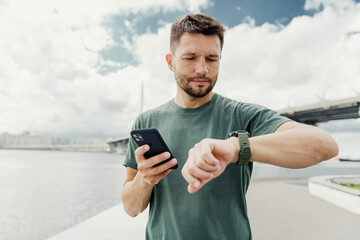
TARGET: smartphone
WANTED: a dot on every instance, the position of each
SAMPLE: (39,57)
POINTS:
(152,137)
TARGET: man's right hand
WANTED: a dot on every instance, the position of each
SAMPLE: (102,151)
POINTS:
(139,183)
(150,173)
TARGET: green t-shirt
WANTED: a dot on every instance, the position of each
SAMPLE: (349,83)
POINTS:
(218,210)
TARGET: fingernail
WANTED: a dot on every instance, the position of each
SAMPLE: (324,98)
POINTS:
(196,184)
(173,161)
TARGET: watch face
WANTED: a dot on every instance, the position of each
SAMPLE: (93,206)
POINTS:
(232,134)
(237,132)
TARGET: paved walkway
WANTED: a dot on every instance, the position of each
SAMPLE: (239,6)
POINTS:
(112,224)
(283,210)
(278,210)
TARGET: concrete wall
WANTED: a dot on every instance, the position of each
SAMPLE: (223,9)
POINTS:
(336,194)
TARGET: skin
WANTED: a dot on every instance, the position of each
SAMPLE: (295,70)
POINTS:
(195,63)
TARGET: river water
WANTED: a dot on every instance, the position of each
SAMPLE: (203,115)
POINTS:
(43,193)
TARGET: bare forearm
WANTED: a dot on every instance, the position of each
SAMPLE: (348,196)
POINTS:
(136,196)
(139,182)
(299,147)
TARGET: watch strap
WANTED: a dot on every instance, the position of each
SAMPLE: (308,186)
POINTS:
(245,151)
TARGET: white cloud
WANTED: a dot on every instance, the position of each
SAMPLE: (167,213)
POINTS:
(196,5)
(48,76)
(49,52)
(335,4)
(276,66)
(150,51)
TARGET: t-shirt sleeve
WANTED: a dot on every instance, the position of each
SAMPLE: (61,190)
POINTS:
(130,160)
(260,120)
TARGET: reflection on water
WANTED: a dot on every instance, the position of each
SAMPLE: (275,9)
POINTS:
(45,192)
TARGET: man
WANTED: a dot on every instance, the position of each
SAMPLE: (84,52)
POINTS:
(206,199)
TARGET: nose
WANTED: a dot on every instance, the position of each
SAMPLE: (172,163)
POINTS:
(201,67)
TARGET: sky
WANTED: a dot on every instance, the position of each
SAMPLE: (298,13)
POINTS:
(75,68)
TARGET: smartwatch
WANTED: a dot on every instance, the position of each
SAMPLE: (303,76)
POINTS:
(245,151)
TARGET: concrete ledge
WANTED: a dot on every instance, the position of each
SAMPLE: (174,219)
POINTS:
(112,224)
(341,196)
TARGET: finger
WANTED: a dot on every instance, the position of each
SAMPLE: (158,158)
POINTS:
(189,178)
(155,174)
(164,174)
(151,162)
(206,150)
(155,179)
(195,156)
(192,188)
(162,167)
(184,171)
(202,162)
(199,173)
(161,176)
(140,151)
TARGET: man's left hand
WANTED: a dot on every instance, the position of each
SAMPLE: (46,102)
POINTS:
(208,160)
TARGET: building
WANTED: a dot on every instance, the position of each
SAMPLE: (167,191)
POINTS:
(46,142)
(89,144)
(25,139)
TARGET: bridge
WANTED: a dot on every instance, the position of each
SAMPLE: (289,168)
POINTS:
(311,114)
(119,145)
(324,111)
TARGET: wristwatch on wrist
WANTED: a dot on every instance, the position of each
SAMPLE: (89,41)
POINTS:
(245,151)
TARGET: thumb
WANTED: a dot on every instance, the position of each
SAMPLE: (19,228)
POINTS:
(194,187)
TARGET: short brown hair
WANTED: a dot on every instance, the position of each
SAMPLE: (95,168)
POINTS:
(195,23)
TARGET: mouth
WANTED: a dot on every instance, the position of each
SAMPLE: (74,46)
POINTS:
(200,82)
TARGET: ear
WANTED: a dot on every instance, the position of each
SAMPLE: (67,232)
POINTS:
(169,61)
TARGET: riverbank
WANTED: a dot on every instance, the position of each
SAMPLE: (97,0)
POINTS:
(64,148)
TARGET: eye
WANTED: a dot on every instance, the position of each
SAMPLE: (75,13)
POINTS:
(189,59)
(212,59)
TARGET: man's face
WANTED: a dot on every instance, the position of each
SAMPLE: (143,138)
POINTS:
(196,63)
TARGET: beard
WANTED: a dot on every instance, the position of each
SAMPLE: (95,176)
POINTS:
(199,91)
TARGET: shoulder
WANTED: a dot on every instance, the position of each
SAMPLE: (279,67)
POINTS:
(254,118)
(234,105)
(164,108)
(153,114)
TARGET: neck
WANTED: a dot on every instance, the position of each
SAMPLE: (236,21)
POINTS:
(183,100)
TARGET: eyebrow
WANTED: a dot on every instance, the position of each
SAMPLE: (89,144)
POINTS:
(193,54)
